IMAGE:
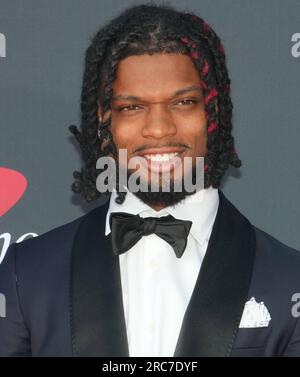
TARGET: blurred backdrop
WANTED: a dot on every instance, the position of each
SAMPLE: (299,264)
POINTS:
(42,45)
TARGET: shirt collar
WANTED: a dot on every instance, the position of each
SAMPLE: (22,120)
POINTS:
(200,208)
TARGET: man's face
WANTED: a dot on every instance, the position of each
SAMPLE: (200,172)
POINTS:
(150,117)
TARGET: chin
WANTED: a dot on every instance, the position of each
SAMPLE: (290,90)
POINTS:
(165,198)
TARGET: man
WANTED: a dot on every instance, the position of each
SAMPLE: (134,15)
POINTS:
(153,273)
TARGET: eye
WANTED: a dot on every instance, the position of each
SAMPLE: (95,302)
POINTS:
(129,108)
(187,102)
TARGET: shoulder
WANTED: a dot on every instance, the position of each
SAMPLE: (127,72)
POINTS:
(273,247)
(266,244)
(51,246)
(276,265)
(274,259)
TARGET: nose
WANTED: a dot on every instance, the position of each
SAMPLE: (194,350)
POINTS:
(158,122)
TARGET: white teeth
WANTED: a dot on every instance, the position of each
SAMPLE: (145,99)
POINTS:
(161,157)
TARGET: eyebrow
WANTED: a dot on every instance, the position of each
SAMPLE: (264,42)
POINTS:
(191,88)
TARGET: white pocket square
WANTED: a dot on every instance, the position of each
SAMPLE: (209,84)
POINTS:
(255,315)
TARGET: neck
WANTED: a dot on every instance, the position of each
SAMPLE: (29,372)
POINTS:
(157,207)
(159,200)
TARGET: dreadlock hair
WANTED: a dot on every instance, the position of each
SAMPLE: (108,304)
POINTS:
(148,29)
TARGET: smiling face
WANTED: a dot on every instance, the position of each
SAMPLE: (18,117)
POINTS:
(157,111)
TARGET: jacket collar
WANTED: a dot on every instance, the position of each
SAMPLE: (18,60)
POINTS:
(215,309)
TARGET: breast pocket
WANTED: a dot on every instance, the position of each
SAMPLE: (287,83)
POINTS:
(252,337)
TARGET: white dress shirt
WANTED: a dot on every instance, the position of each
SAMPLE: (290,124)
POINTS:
(156,285)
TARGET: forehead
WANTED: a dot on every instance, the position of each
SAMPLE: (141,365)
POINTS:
(150,75)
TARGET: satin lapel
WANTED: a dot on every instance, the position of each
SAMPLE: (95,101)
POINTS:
(97,314)
(213,314)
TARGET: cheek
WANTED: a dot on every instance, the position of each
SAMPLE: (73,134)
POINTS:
(119,138)
(121,134)
(195,132)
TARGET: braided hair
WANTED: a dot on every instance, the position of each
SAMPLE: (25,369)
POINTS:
(150,29)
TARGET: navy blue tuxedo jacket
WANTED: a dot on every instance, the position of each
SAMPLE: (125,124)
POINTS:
(63,293)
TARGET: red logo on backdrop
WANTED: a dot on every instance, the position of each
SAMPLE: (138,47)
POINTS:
(12,187)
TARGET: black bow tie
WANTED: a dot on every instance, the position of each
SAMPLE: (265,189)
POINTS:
(128,229)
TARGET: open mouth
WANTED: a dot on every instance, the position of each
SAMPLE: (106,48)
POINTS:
(164,162)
